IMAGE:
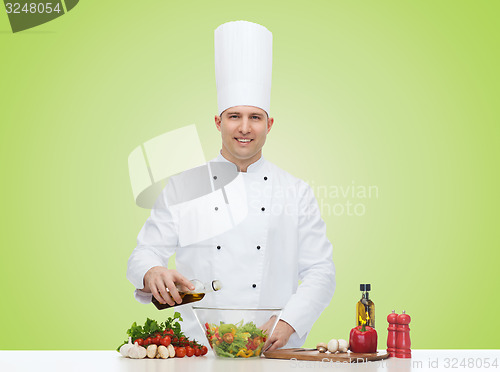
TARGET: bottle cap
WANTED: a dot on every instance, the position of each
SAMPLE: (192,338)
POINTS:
(365,287)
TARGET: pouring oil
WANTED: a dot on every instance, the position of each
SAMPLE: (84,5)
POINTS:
(199,291)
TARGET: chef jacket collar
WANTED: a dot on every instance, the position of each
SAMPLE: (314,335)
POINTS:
(252,168)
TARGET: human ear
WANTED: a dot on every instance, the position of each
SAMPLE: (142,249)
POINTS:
(218,120)
(270,123)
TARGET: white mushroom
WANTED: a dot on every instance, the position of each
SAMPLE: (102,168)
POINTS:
(163,352)
(125,348)
(151,351)
(171,351)
(343,346)
(321,347)
(333,345)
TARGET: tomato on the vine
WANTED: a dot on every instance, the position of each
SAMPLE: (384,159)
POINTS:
(204,350)
(189,351)
(148,341)
(180,352)
(139,341)
(157,339)
(197,351)
(165,341)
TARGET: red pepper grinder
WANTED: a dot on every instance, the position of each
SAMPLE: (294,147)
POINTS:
(403,342)
(392,318)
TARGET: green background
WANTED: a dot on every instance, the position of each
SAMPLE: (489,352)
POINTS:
(400,95)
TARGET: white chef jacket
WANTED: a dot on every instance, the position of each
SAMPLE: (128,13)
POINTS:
(260,261)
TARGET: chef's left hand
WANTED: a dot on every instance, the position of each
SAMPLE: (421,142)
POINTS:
(280,336)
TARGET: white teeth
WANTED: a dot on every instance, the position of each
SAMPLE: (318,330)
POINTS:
(243,140)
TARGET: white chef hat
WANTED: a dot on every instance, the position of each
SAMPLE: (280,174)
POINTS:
(243,65)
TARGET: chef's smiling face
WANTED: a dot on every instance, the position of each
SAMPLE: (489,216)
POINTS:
(243,131)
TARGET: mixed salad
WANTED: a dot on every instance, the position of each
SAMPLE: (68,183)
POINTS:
(236,340)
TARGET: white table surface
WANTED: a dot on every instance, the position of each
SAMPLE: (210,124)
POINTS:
(111,361)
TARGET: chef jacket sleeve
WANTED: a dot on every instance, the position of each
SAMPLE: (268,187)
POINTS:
(156,242)
(315,267)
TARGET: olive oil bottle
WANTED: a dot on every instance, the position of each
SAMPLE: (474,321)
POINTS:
(365,308)
(199,291)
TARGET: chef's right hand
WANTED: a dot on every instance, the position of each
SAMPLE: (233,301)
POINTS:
(159,278)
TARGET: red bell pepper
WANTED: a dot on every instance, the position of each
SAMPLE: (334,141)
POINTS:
(363,339)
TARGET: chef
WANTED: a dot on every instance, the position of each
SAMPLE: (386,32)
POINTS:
(280,240)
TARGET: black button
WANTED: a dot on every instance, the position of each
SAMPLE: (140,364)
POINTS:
(258,247)
(265,178)
(215,177)
(254,285)
(216,208)
(262,209)
(218,247)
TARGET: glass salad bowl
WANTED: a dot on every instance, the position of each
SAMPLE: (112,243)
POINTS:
(237,333)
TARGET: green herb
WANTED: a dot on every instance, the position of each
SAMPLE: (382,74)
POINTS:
(151,327)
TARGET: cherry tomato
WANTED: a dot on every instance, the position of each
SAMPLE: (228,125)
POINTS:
(175,340)
(257,341)
(197,352)
(204,350)
(229,338)
(139,341)
(165,341)
(180,352)
(156,340)
(189,351)
(148,341)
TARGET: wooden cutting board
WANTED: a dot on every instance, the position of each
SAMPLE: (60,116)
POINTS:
(315,355)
